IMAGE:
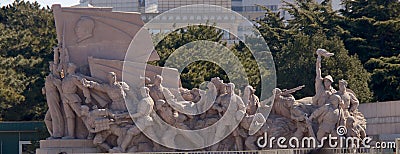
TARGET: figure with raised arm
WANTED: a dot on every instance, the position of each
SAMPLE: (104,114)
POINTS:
(323,86)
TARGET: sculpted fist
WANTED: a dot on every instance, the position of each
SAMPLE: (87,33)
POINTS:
(323,52)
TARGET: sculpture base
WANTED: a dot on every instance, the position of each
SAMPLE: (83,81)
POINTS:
(67,146)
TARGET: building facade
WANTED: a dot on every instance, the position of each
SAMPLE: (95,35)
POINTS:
(250,9)
(117,5)
(165,5)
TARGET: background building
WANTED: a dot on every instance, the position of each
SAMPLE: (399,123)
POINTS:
(251,9)
(117,5)
(165,5)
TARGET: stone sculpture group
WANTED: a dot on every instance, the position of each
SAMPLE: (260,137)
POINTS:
(113,129)
(83,106)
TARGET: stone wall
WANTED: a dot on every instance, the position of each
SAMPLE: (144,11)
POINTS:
(383,119)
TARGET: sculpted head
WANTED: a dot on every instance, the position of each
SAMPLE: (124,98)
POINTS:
(277,91)
(328,80)
(342,85)
(158,80)
(84,28)
(71,68)
(230,87)
(51,66)
(112,77)
(84,110)
(249,90)
(144,91)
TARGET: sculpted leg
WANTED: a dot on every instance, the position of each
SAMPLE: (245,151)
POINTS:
(129,135)
(100,138)
(238,140)
(76,108)
(49,125)
(70,122)
(250,143)
(320,134)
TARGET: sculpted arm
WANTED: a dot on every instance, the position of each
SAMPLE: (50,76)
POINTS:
(124,86)
(143,109)
(354,103)
(94,85)
(85,90)
(318,77)
(317,112)
(57,82)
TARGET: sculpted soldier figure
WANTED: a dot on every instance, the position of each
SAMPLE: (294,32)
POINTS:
(115,90)
(323,86)
(250,100)
(328,116)
(97,122)
(157,91)
(232,104)
(349,99)
(284,101)
(72,101)
(354,129)
(52,88)
(250,140)
(219,84)
(302,123)
(207,100)
(175,119)
(143,119)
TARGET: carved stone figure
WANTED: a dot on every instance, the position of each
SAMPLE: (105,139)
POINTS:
(115,90)
(302,123)
(219,84)
(98,122)
(72,101)
(232,104)
(354,129)
(142,120)
(323,86)
(176,120)
(158,92)
(246,125)
(52,89)
(349,99)
(250,100)
(328,116)
(284,101)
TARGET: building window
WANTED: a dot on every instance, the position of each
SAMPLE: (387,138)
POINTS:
(237,8)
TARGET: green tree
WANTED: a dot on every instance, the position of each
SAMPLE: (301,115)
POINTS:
(27,35)
(385,77)
(374,27)
(198,72)
(294,44)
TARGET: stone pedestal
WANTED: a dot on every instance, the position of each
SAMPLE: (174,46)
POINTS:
(67,146)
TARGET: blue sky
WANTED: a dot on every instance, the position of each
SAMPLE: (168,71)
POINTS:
(45,2)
